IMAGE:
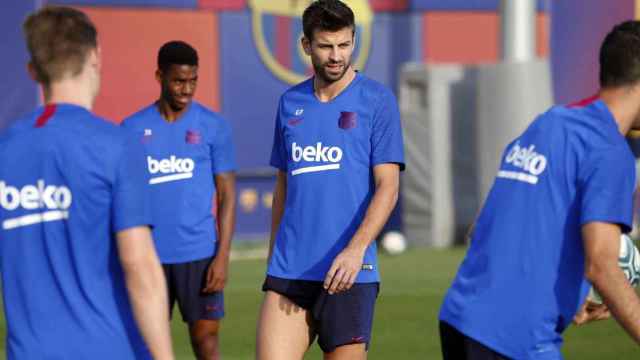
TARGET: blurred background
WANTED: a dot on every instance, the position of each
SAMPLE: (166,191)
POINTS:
(466,87)
(469,76)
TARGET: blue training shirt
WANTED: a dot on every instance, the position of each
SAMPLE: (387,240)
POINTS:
(68,181)
(328,151)
(182,159)
(522,280)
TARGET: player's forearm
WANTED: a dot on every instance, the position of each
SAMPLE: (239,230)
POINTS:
(382,203)
(227,222)
(147,290)
(621,299)
(148,297)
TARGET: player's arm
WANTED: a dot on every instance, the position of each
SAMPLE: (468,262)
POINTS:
(226,199)
(347,265)
(601,245)
(146,286)
(277,207)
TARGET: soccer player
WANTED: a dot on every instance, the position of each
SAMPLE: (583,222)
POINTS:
(338,150)
(76,253)
(552,220)
(190,158)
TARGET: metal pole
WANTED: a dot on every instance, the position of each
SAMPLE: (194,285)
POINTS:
(518,30)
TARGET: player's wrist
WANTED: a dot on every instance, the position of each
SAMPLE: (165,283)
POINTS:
(357,249)
(223,254)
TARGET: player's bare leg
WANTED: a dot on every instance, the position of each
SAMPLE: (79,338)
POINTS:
(284,331)
(204,339)
(348,352)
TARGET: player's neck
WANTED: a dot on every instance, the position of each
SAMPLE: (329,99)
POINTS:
(70,91)
(623,104)
(168,113)
(327,91)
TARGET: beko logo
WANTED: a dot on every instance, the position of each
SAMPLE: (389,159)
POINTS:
(528,160)
(329,156)
(51,201)
(170,169)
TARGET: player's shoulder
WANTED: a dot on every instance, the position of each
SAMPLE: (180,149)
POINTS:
(300,90)
(591,120)
(139,117)
(587,127)
(66,118)
(20,124)
(204,112)
(372,86)
(373,92)
(206,116)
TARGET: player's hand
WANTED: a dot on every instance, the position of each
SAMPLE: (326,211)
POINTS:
(591,311)
(217,274)
(343,271)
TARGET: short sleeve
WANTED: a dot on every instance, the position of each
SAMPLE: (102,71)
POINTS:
(223,153)
(386,139)
(278,151)
(131,202)
(606,188)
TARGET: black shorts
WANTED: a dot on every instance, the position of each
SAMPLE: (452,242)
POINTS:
(185,282)
(458,346)
(339,319)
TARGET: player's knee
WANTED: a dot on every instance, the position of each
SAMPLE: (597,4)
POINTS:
(206,330)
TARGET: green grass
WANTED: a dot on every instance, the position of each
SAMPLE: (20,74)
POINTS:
(405,325)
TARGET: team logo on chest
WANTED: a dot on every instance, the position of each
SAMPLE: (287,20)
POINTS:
(347,120)
(193,137)
(328,157)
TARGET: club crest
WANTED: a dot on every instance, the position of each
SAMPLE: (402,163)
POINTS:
(277,30)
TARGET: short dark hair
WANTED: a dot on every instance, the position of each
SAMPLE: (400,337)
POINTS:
(327,15)
(59,39)
(620,55)
(176,53)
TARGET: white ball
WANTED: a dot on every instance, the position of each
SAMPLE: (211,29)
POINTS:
(629,262)
(393,242)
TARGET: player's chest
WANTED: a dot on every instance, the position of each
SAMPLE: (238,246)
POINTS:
(319,132)
(175,147)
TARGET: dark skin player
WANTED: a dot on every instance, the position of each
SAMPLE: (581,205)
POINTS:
(178,85)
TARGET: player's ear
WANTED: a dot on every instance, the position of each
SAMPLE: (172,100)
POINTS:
(98,60)
(94,58)
(32,71)
(159,76)
(306,45)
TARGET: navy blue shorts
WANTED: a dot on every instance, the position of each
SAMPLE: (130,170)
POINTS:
(458,346)
(340,319)
(185,282)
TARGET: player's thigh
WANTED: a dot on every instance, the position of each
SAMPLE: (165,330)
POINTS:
(171,293)
(348,352)
(195,305)
(344,320)
(284,330)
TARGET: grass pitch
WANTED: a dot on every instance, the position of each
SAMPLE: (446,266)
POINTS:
(405,325)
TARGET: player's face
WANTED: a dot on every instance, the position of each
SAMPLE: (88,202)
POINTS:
(178,84)
(330,53)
